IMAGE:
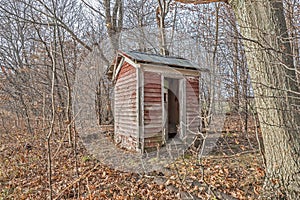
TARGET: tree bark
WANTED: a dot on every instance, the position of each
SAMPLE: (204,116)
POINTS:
(263,28)
(161,13)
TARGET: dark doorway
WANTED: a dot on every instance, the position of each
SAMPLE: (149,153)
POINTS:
(172,107)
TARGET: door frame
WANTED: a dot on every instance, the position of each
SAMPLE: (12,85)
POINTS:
(182,106)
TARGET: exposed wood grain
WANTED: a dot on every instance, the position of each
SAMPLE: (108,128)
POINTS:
(126,124)
(152,108)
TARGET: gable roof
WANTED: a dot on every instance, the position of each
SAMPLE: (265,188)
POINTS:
(146,58)
(159,59)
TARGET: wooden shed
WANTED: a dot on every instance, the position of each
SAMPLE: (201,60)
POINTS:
(156,98)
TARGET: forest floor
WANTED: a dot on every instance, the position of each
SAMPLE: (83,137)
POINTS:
(233,170)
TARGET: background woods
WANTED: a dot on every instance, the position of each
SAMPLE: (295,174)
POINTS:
(252,50)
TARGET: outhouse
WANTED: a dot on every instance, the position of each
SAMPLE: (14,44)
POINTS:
(156,98)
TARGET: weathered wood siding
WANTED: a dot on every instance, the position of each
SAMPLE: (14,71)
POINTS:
(126,107)
(152,110)
(192,104)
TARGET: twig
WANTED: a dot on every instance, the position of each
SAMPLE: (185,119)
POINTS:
(76,181)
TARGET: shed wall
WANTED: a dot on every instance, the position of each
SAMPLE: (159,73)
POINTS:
(152,110)
(126,107)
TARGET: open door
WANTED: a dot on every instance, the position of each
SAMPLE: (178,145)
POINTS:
(171,108)
(182,108)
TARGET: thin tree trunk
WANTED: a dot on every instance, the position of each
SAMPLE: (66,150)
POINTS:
(236,92)
(161,13)
(53,81)
(68,86)
(52,122)
(213,77)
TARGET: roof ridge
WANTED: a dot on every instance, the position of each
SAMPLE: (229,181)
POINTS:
(152,54)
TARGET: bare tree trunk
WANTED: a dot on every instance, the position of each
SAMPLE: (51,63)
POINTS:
(291,20)
(236,90)
(53,52)
(161,13)
(114,21)
(98,102)
(68,86)
(262,24)
(52,119)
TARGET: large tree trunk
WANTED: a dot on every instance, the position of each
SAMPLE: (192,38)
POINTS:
(263,28)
